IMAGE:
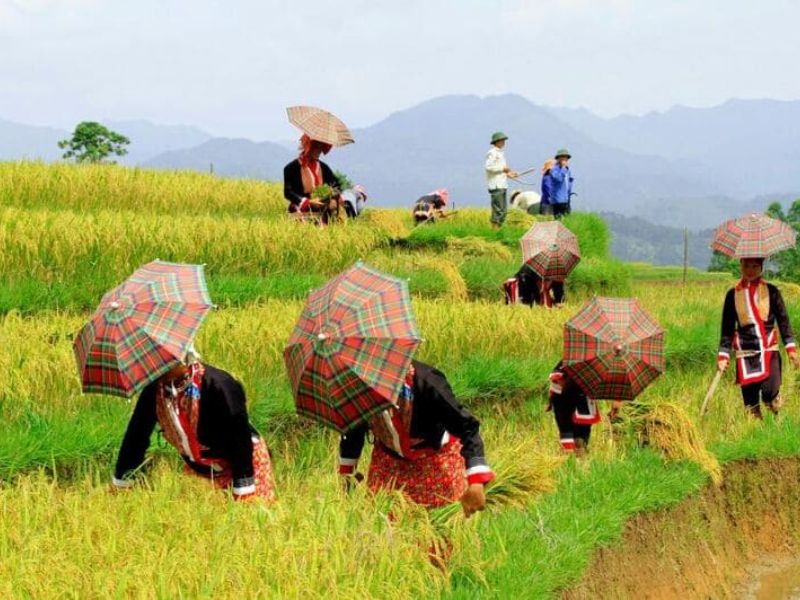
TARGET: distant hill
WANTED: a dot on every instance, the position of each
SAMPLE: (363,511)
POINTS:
(229,157)
(634,239)
(743,147)
(19,141)
(151,139)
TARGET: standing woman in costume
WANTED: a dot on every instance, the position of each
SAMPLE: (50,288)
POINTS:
(546,206)
(429,446)
(752,316)
(306,173)
(202,412)
(574,411)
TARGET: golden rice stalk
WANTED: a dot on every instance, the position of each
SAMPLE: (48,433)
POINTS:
(668,428)
(473,246)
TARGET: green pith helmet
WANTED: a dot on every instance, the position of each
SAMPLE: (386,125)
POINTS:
(563,152)
(498,136)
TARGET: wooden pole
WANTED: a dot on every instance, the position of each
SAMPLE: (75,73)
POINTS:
(685,253)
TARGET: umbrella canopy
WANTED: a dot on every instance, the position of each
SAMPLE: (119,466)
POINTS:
(351,350)
(320,125)
(753,236)
(142,328)
(613,348)
(551,250)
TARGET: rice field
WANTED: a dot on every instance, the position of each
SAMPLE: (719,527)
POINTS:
(68,233)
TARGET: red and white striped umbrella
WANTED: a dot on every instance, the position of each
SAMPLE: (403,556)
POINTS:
(753,236)
(320,125)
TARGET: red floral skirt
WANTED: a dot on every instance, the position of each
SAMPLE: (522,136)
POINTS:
(434,479)
(262,472)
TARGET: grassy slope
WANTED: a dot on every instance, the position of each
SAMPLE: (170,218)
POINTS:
(61,248)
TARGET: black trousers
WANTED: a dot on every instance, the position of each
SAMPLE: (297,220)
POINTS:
(766,390)
(564,410)
(559,210)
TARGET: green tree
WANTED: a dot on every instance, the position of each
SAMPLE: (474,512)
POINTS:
(92,142)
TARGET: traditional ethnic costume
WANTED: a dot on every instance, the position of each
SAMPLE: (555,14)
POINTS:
(574,411)
(205,419)
(302,176)
(527,287)
(752,316)
(429,446)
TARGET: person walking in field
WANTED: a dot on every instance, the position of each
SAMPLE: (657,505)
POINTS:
(561,182)
(546,206)
(497,174)
(430,207)
(753,315)
(202,412)
(574,412)
(304,175)
(428,446)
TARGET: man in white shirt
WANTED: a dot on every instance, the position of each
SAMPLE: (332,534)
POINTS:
(497,174)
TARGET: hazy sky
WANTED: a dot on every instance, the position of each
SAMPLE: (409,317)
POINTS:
(232,66)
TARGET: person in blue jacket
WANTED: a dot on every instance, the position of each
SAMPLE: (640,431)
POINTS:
(561,180)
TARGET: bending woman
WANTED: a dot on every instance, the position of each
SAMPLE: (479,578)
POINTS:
(429,446)
(202,412)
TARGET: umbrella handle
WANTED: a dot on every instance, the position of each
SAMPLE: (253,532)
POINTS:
(710,393)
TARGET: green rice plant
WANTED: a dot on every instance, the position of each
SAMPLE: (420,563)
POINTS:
(593,234)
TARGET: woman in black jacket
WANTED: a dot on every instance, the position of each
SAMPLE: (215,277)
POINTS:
(306,173)
(429,446)
(202,412)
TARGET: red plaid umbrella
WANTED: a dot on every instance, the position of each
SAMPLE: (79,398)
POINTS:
(351,350)
(142,328)
(551,250)
(613,348)
(320,125)
(753,236)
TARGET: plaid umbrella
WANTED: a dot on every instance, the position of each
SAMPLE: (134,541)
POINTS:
(142,328)
(351,350)
(550,249)
(613,348)
(753,236)
(320,125)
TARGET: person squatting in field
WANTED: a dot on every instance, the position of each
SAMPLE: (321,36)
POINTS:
(202,412)
(752,316)
(428,446)
(528,287)
(574,411)
(430,207)
(304,175)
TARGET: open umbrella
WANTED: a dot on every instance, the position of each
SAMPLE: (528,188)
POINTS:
(753,236)
(142,328)
(320,125)
(551,250)
(613,348)
(351,349)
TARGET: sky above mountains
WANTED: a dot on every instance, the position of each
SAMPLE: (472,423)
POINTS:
(232,67)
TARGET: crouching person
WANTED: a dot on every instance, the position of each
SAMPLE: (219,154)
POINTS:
(428,446)
(528,287)
(574,412)
(202,412)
